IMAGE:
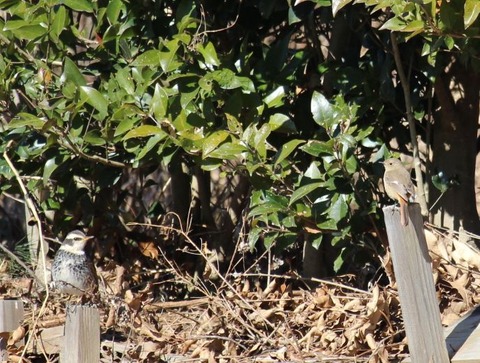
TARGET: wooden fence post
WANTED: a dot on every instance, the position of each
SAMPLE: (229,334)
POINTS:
(11,314)
(416,289)
(81,343)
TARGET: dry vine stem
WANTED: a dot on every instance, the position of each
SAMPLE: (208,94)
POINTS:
(31,207)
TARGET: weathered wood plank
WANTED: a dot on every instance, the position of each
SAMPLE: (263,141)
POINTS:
(416,289)
(463,338)
(47,341)
(11,315)
(82,335)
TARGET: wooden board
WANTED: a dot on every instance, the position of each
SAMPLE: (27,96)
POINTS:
(11,314)
(48,341)
(463,338)
(416,289)
(82,335)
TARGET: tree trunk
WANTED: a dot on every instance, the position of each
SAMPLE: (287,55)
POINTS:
(454,148)
(181,189)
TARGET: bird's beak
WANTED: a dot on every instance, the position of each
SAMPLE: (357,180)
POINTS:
(88,238)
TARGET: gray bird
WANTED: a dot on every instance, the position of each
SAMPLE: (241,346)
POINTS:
(72,270)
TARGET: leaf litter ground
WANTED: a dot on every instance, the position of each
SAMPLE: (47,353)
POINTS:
(253,318)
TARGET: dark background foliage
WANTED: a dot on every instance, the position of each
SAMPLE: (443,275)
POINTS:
(254,124)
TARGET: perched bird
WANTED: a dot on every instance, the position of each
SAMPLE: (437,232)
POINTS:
(398,186)
(72,270)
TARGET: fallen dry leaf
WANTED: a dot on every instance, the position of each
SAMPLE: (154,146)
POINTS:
(148,249)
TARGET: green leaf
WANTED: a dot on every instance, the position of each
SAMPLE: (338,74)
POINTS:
(470,12)
(125,81)
(94,99)
(347,140)
(124,126)
(329,224)
(151,143)
(209,54)
(414,26)
(278,200)
(59,22)
(128,111)
(339,209)
(113,10)
(169,61)
(338,4)
(275,98)
(441,182)
(260,140)
(289,222)
(186,98)
(313,172)
(449,42)
(286,150)
(24,30)
(50,166)
(281,122)
(394,24)
(363,133)
(269,239)
(268,203)
(317,241)
(212,142)
(233,124)
(317,148)
(322,110)
(267,208)
(144,131)
(292,17)
(206,83)
(228,151)
(253,237)
(94,137)
(339,261)
(25,119)
(72,73)
(351,164)
(303,191)
(149,58)
(79,5)
(5,171)
(159,102)
(227,79)
(211,164)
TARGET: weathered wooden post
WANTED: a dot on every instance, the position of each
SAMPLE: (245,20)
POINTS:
(11,314)
(416,289)
(81,343)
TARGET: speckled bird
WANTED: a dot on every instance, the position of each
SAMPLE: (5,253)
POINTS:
(72,270)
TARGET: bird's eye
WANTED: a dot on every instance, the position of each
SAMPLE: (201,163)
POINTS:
(78,238)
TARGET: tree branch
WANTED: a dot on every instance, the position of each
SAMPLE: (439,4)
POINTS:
(411,124)
(95,158)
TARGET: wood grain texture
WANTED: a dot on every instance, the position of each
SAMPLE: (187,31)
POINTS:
(463,338)
(82,335)
(11,315)
(416,289)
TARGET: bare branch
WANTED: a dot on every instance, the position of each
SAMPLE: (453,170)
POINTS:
(411,124)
